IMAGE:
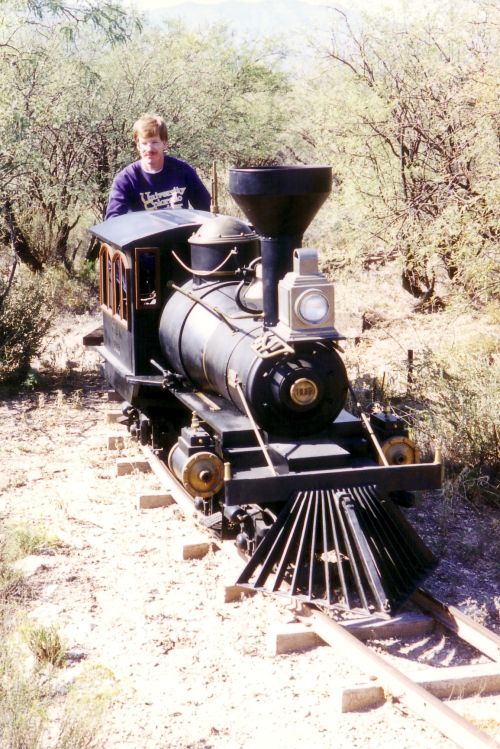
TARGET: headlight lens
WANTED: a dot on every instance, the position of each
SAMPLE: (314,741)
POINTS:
(312,307)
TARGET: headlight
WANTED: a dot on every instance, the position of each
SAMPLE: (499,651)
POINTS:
(312,307)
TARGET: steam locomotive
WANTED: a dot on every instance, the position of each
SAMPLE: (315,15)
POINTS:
(219,335)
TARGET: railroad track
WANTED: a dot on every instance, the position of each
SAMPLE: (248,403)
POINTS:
(393,681)
(415,697)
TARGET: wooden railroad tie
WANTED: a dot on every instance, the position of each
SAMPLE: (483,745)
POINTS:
(463,626)
(300,636)
(451,682)
(117,441)
(114,415)
(126,466)
(114,397)
(195,549)
(153,500)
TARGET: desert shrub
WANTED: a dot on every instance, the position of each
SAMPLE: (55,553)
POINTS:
(22,708)
(85,707)
(75,293)
(10,579)
(17,542)
(28,694)
(20,540)
(25,317)
(22,701)
(403,108)
(452,400)
(459,389)
(32,540)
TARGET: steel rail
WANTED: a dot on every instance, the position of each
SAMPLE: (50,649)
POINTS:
(182,498)
(462,625)
(414,696)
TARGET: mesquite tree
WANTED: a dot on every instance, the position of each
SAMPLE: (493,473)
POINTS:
(407,113)
(69,107)
(45,87)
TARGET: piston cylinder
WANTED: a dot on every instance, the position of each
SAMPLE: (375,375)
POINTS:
(201,473)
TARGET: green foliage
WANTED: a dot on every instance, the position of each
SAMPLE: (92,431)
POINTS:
(221,102)
(25,317)
(22,701)
(16,542)
(77,292)
(68,17)
(32,540)
(10,582)
(10,579)
(47,131)
(66,119)
(27,694)
(22,710)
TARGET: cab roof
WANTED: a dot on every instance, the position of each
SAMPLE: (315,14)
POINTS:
(136,226)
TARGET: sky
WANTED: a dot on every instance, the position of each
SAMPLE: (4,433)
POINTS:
(370,6)
(377,6)
(391,7)
(145,5)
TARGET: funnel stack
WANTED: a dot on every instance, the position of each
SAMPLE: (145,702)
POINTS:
(280,202)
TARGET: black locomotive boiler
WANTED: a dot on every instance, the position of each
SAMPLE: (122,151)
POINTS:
(220,337)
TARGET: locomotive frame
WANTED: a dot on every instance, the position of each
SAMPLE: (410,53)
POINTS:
(243,395)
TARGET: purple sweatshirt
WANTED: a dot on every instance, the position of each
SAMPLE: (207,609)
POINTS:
(176,186)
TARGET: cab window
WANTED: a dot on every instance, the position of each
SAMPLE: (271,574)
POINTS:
(147,277)
(105,285)
(114,283)
(121,281)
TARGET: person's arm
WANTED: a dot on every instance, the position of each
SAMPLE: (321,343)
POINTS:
(120,198)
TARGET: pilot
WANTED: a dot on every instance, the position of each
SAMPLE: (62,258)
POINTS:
(155,180)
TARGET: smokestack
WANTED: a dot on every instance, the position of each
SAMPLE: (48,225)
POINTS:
(280,202)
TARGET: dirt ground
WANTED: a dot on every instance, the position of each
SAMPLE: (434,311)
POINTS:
(189,671)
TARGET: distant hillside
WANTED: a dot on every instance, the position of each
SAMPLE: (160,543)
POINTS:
(291,18)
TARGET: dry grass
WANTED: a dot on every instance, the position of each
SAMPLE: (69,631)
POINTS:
(28,692)
(28,540)
(46,645)
(85,707)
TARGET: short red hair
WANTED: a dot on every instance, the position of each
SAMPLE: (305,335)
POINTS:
(149,126)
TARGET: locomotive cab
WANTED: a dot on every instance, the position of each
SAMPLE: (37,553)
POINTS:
(135,265)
